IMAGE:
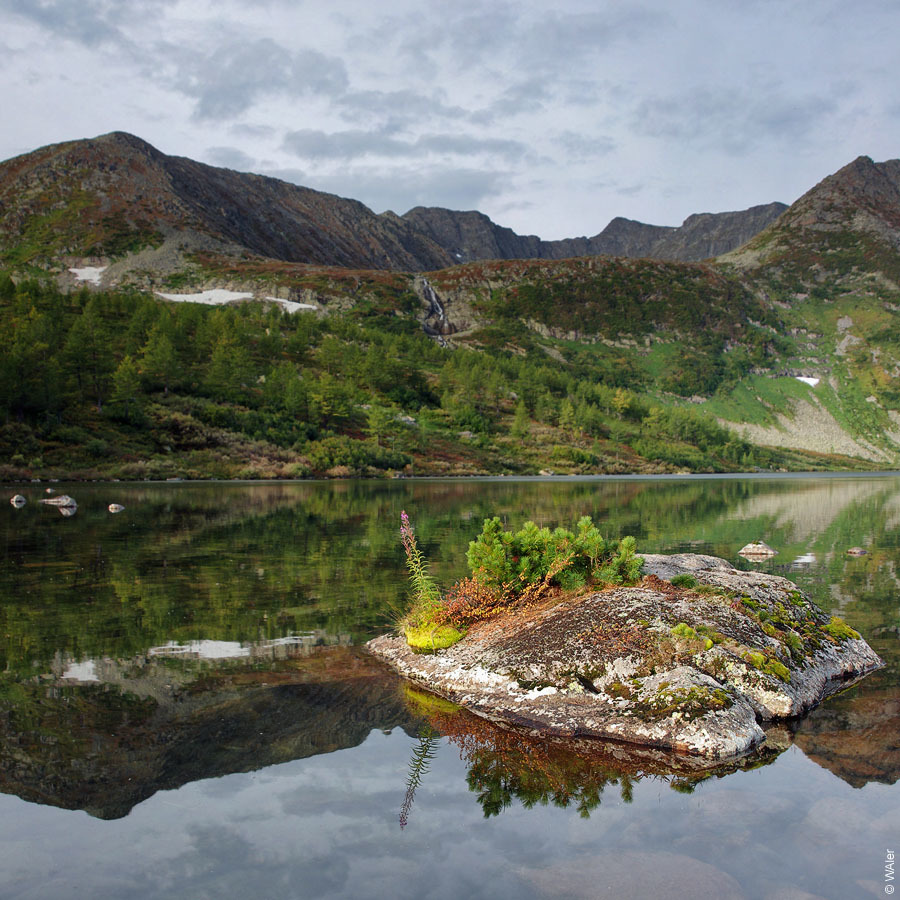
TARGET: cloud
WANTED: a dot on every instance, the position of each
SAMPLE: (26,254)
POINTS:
(401,107)
(231,158)
(88,22)
(559,40)
(468,32)
(583,147)
(531,95)
(382,188)
(229,80)
(732,120)
(252,131)
(310,143)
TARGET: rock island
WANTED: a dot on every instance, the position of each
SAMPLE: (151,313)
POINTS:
(692,659)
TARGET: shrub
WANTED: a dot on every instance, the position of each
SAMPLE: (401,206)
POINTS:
(355,455)
(501,559)
(684,580)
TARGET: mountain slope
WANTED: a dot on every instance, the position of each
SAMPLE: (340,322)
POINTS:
(830,265)
(116,193)
(848,223)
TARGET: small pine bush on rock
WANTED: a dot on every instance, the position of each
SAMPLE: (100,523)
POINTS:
(509,569)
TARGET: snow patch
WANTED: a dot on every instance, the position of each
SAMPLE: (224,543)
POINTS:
(291,306)
(89,274)
(83,671)
(214,297)
(807,379)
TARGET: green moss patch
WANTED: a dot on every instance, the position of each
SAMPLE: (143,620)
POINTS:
(768,665)
(427,639)
(683,630)
(839,630)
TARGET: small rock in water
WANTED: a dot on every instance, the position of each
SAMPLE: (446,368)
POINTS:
(857,551)
(758,549)
(18,501)
(115,507)
(63,501)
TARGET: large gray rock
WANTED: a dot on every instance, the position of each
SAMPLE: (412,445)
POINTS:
(687,669)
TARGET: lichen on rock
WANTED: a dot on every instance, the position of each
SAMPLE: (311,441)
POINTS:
(692,669)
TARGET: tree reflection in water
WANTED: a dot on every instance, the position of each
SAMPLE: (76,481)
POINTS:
(506,764)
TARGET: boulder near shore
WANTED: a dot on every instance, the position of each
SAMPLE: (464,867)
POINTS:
(692,667)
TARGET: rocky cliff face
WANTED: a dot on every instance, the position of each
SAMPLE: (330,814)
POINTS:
(705,235)
(115,194)
(472,236)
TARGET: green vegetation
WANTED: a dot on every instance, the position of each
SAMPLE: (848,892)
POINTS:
(683,630)
(500,559)
(840,630)
(685,581)
(768,664)
(509,569)
(98,384)
(422,623)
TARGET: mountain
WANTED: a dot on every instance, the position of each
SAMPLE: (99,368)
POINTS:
(472,236)
(115,195)
(782,353)
(848,224)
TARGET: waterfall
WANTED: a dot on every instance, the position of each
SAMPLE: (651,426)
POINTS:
(436,322)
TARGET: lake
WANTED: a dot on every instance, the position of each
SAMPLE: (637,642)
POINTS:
(187,709)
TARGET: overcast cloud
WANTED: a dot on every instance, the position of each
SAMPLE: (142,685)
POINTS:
(551,121)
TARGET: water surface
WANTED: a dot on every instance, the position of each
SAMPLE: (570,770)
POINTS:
(187,709)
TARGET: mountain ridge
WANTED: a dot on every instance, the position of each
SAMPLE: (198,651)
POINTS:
(116,193)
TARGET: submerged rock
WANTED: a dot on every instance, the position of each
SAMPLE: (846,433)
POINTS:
(689,668)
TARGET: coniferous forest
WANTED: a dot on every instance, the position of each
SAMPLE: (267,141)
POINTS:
(119,384)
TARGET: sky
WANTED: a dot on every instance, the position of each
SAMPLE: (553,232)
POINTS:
(551,118)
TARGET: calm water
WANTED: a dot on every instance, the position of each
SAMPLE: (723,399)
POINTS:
(186,710)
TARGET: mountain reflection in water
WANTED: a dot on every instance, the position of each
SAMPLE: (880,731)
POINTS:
(126,729)
(147,725)
(203,646)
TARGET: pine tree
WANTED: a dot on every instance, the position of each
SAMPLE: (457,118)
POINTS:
(381,421)
(127,388)
(567,418)
(159,362)
(87,352)
(521,421)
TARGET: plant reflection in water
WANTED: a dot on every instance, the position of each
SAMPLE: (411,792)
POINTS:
(507,765)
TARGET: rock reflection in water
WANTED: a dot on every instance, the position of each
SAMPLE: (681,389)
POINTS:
(854,735)
(507,764)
